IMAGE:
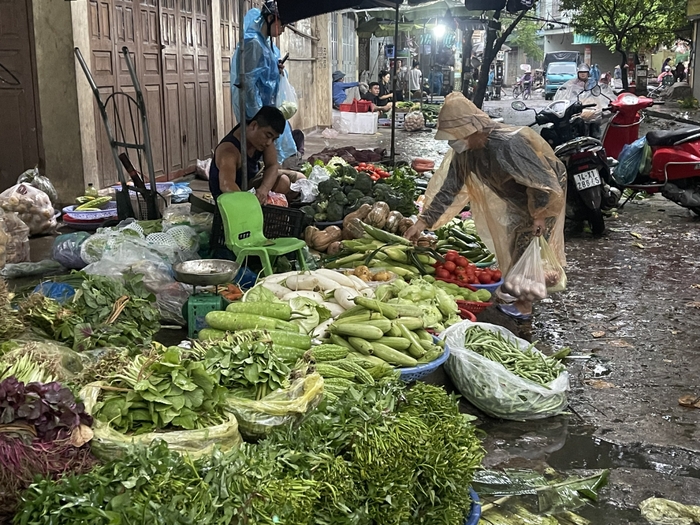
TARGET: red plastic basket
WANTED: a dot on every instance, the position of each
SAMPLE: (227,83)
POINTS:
(474,307)
(467,315)
(357,106)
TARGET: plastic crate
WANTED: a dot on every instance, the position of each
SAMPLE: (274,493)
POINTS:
(474,307)
(199,306)
(281,222)
(357,106)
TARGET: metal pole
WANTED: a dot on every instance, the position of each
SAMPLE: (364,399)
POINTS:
(393,85)
(241,95)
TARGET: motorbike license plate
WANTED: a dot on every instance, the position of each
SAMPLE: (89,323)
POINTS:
(586,179)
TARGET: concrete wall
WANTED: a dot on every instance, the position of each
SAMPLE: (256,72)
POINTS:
(59,112)
(601,55)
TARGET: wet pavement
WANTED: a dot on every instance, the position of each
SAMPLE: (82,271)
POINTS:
(631,316)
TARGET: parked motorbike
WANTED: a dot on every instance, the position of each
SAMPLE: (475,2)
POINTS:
(675,161)
(587,167)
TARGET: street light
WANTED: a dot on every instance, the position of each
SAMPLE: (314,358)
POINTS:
(439,31)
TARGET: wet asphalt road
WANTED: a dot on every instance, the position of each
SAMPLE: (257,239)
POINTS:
(632,312)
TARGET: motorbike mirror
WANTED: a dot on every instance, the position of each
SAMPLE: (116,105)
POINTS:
(518,105)
(596,91)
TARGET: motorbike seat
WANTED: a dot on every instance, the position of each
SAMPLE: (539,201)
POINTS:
(668,138)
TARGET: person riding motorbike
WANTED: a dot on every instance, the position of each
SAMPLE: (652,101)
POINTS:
(509,175)
(264,70)
(579,88)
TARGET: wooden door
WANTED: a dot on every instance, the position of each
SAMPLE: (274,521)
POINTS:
(175,138)
(188,83)
(19,134)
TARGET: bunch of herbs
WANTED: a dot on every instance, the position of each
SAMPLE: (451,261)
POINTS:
(162,391)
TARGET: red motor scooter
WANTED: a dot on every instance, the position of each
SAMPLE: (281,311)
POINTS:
(675,163)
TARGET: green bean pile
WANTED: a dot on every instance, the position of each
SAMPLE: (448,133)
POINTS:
(529,364)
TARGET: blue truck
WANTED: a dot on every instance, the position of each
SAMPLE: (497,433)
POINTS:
(559,67)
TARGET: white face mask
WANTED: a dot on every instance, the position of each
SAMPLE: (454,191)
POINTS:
(460,146)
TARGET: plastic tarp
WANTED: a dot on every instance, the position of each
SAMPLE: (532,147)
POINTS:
(107,443)
(262,78)
(516,178)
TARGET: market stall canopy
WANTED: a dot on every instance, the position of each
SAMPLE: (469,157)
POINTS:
(374,27)
(425,11)
(293,10)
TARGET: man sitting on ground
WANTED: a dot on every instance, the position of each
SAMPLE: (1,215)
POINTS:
(225,174)
(372,95)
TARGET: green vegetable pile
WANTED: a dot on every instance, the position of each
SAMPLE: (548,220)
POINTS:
(244,363)
(10,323)
(102,313)
(461,236)
(347,189)
(529,364)
(381,454)
(162,391)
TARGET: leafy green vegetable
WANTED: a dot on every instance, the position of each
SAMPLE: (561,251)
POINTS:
(335,211)
(364,183)
(160,391)
(311,313)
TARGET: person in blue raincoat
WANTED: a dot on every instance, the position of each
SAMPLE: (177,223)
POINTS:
(263,70)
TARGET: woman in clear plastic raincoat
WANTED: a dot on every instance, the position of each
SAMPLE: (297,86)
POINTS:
(263,73)
(509,175)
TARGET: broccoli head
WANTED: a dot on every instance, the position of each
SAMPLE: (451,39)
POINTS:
(321,205)
(339,197)
(364,183)
(328,187)
(354,196)
(346,174)
(309,212)
(335,212)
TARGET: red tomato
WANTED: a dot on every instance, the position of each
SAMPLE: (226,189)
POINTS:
(460,270)
(437,265)
(485,278)
(451,256)
(362,165)
(461,278)
(497,275)
(450,266)
(442,273)
(462,261)
(374,177)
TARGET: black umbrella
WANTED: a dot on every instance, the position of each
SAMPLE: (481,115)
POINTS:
(293,10)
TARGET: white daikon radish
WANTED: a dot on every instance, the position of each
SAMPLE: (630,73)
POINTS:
(338,277)
(302,282)
(321,331)
(367,292)
(358,283)
(314,296)
(278,290)
(278,277)
(334,308)
(327,284)
(344,297)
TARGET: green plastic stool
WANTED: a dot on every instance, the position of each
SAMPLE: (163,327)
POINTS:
(198,306)
(242,216)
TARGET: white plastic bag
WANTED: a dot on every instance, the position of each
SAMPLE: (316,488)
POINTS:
(203,168)
(495,390)
(286,100)
(525,280)
(33,206)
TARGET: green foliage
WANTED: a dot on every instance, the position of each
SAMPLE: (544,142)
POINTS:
(525,38)
(689,103)
(629,24)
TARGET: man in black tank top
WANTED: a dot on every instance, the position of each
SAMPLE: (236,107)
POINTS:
(261,132)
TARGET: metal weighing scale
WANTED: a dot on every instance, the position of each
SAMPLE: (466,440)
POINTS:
(204,272)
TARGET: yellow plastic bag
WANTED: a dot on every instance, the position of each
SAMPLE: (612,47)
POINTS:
(108,444)
(258,418)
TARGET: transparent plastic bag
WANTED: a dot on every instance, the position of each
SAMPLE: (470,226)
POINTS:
(495,390)
(40,182)
(108,444)
(170,299)
(66,250)
(18,249)
(181,215)
(526,279)
(180,192)
(631,159)
(286,99)
(31,269)
(277,199)
(256,419)
(33,206)
(554,274)
(51,359)
(307,188)
(4,238)
(203,168)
